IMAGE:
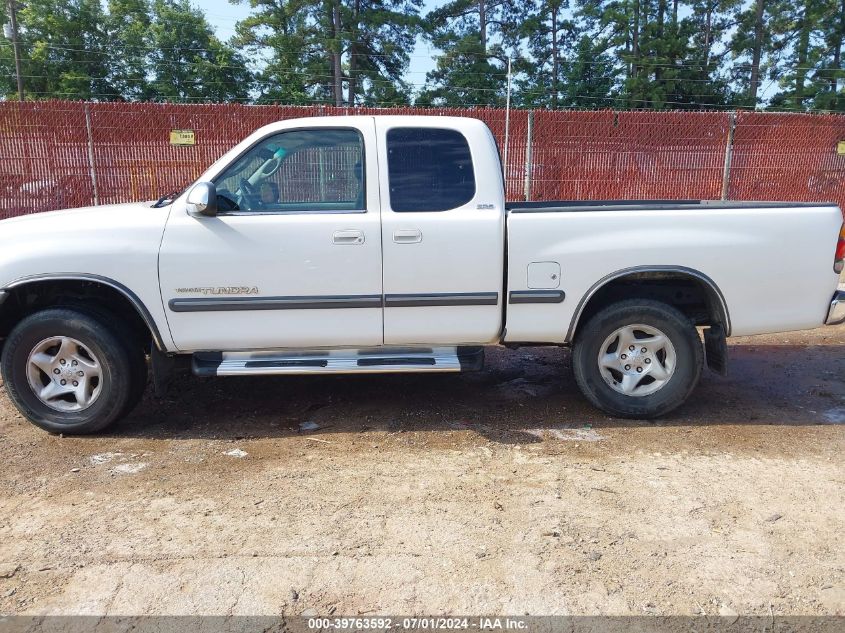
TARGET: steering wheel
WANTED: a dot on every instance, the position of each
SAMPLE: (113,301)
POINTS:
(248,192)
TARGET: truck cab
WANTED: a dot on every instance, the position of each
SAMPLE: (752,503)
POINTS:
(308,246)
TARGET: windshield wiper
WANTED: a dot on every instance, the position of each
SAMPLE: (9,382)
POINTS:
(170,197)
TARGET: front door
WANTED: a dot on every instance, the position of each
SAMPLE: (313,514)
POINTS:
(293,258)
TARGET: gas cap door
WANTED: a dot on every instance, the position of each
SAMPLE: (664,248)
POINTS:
(543,275)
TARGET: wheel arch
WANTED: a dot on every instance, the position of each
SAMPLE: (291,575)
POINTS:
(637,281)
(83,285)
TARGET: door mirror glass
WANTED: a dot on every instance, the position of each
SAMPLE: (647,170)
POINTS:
(202,199)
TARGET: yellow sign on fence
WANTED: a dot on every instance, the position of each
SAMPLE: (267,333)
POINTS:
(840,148)
(182,137)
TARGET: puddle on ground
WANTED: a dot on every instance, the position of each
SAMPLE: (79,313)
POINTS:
(835,416)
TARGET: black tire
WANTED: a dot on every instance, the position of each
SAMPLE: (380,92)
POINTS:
(119,369)
(680,330)
(137,358)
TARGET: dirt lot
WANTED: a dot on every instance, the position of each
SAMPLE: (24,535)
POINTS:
(497,492)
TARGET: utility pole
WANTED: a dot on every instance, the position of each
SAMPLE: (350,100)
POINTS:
(337,70)
(12,34)
(507,126)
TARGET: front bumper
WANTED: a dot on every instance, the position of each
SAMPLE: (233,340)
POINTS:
(836,314)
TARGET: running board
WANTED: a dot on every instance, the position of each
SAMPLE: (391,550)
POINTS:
(343,361)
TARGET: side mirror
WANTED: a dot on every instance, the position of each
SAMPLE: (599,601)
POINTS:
(202,199)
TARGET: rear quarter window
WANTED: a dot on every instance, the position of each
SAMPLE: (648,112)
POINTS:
(428,169)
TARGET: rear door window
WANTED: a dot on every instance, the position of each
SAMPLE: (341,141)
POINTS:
(429,169)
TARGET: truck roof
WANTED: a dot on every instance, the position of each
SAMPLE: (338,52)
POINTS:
(391,119)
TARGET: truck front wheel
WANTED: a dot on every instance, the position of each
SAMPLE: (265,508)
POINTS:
(637,359)
(69,372)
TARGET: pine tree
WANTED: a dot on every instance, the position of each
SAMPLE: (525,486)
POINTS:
(333,51)
(294,72)
(569,61)
(828,95)
(548,32)
(810,75)
(751,43)
(797,50)
(476,37)
(703,77)
(589,76)
(188,62)
(381,34)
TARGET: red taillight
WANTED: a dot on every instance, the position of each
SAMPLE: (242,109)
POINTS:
(839,257)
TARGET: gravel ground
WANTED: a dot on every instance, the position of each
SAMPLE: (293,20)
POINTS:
(496,492)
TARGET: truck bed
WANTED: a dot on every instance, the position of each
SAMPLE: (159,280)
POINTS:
(770,262)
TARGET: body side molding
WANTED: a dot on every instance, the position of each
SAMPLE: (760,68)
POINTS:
(134,299)
(441,299)
(317,302)
(536,296)
(634,270)
(233,304)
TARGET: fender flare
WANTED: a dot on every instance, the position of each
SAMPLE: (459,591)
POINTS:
(133,299)
(714,291)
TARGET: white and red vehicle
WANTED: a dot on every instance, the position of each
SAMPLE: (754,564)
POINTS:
(384,244)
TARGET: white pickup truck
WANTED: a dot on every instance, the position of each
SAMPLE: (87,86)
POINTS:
(384,244)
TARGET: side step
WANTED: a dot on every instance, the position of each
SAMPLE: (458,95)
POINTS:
(342,361)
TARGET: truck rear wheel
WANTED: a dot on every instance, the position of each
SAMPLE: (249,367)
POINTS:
(637,359)
(69,372)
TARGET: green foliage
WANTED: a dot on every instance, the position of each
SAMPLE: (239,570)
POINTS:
(475,36)
(8,87)
(300,39)
(129,50)
(381,34)
(63,49)
(465,76)
(187,61)
(295,72)
(128,27)
(567,65)
(656,54)
(807,39)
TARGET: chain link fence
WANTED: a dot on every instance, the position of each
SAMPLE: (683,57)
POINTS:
(57,154)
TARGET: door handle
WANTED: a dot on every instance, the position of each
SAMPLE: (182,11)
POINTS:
(407,236)
(348,237)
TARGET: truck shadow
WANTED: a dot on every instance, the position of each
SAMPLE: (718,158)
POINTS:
(518,397)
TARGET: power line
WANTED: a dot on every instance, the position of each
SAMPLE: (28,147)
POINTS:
(645,62)
(328,101)
(502,74)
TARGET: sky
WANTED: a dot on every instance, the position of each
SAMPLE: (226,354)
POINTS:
(223,17)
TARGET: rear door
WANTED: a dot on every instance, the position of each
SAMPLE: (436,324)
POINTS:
(442,231)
